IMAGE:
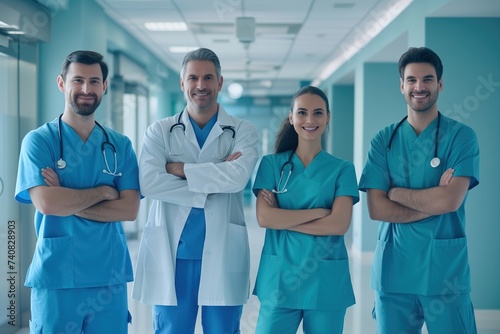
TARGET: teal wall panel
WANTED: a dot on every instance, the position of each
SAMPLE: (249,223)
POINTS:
(342,118)
(470,51)
(382,104)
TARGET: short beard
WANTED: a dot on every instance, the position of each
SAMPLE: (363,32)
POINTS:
(85,109)
(432,101)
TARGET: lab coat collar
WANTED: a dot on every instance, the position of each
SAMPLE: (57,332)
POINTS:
(223,119)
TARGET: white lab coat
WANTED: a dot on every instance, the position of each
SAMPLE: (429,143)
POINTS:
(211,184)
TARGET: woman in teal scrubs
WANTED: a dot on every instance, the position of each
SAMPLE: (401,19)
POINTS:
(304,200)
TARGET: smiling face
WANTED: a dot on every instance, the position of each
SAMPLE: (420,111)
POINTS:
(201,86)
(420,87)
(309,117)
(83,88)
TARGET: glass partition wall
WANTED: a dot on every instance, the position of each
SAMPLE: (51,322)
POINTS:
(18,115)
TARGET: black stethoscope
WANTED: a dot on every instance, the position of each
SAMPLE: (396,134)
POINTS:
(288,163)
(179,125)
(435,162)
(61,164)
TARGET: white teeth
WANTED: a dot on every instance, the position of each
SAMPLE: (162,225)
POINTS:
(309,129)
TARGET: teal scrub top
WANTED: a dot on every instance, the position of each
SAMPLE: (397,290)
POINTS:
(426,257)
(297,270)
(74,252)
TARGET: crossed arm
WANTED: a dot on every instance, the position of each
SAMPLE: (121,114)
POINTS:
(319,221)
(101,204)
(404,205)
(177,168)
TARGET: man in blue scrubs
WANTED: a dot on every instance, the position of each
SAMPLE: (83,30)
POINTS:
(417,176)
(81,264)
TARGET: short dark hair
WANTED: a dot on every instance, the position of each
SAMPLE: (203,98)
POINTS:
(84,57)
(203,54)
(287,139)
(420,55)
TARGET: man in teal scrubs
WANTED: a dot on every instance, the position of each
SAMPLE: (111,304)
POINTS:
(79,272)
(416,177)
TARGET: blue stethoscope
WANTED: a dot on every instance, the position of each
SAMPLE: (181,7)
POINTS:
(179,125)
(288,164)
(435,162)
(61,164)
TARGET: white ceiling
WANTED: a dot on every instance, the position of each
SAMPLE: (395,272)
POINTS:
(295,40)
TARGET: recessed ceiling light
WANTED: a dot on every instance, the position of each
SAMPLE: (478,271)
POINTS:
(166,26)
(5,25)
(15,32)
(182,49)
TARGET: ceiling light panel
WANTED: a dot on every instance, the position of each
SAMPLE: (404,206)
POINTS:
(166,26)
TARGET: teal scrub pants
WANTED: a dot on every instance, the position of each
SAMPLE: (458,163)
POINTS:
(406,313)
(182,318)
(99,310)
(286,321)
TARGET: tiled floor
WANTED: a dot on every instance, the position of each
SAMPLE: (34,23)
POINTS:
(358,318)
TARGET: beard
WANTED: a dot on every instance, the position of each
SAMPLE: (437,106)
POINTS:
(422,107)
(85,109)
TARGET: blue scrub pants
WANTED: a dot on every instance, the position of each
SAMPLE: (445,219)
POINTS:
(405,313)
(286,321)
(182,318)
(99,310)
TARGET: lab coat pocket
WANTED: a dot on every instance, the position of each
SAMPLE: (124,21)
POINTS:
(335,288)
(155,249)
(53,264)
(238,253)
(154,279)
(449,267)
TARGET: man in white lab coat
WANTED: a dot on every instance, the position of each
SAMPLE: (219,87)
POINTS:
(194,248)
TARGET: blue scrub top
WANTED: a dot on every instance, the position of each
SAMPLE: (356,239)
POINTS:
(427,257)
(73,252)
(192,239)
(298,270)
